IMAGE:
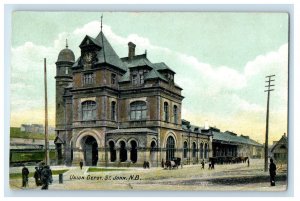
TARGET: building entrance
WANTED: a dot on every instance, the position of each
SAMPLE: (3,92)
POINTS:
(90,151)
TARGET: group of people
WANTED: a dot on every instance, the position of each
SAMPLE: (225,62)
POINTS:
(42,176)
(211,165)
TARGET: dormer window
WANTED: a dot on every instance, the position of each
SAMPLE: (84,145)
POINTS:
(134,79)
(141,78)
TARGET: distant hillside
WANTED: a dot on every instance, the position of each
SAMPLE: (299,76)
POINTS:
(17,133)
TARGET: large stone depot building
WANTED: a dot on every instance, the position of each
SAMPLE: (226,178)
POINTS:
(113,111)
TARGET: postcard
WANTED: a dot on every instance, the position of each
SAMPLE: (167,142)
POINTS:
(160,101)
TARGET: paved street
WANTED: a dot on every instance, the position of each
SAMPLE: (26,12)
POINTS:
(233,177)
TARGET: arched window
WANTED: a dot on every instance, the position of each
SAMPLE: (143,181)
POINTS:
(88,110)
(138,110)
(133,151)
(170,148)
(175,113)
(201,150)
(205,151)
(185,148)
(194,149)
(112,151)
(166,111)
(113,110)
(123,151)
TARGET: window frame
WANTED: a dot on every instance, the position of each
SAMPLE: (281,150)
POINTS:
(88,79)
(113,111)
(113,79)
(175,114)
(138,110)
(166,111)
(88,110)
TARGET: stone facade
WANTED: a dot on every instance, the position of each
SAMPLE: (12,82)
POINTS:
(113,111)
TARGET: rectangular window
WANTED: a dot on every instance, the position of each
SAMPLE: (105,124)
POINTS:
(88,78)
(138,111)
(141,78)
(88,110)
(134,79)
(113,111)
(113,78)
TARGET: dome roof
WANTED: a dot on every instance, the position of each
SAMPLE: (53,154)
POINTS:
(66,55)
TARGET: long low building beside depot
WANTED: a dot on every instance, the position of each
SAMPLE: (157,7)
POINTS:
(113,111)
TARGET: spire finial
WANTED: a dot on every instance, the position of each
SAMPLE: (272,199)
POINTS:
(101,21)
(67,43)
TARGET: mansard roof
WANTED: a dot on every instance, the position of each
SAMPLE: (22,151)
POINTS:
(162,67)
(106,54)
(137,61)
(142,61)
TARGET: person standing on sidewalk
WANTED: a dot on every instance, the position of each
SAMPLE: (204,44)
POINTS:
(25,173)
(272,171)
(81,164)
(202,164)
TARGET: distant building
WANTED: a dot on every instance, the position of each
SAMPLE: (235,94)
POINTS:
(36,128)
(230,144)
(279,150)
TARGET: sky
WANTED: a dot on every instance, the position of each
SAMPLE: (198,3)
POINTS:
(220,60)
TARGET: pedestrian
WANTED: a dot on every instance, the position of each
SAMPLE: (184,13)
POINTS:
(45,177)
(248,162)
(81,164)
(272,170)
(202,163)
(25,173)
(212,164)
(162,163)
(37,177)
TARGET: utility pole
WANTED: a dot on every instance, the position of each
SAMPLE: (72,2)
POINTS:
(269,85)
(46,116)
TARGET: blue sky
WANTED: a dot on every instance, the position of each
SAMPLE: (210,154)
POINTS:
(220,60)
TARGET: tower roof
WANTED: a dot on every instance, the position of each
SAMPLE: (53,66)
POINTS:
(107,54)
(66,55)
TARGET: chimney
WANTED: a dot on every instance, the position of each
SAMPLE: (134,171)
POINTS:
(131,50)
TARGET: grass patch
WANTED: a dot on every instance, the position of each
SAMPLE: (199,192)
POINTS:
(27,156)
(17,133)
(92,169)
(19,175)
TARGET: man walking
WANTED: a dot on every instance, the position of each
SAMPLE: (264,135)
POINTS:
(45,177)
(272,171)
(81,164)
(37,177)
(202,163)
(25,173)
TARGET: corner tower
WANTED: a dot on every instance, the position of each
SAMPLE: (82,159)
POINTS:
(65,60)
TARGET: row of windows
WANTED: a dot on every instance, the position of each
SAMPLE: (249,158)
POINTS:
(166,113)
(138,111)
(203,150)
(89,78)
